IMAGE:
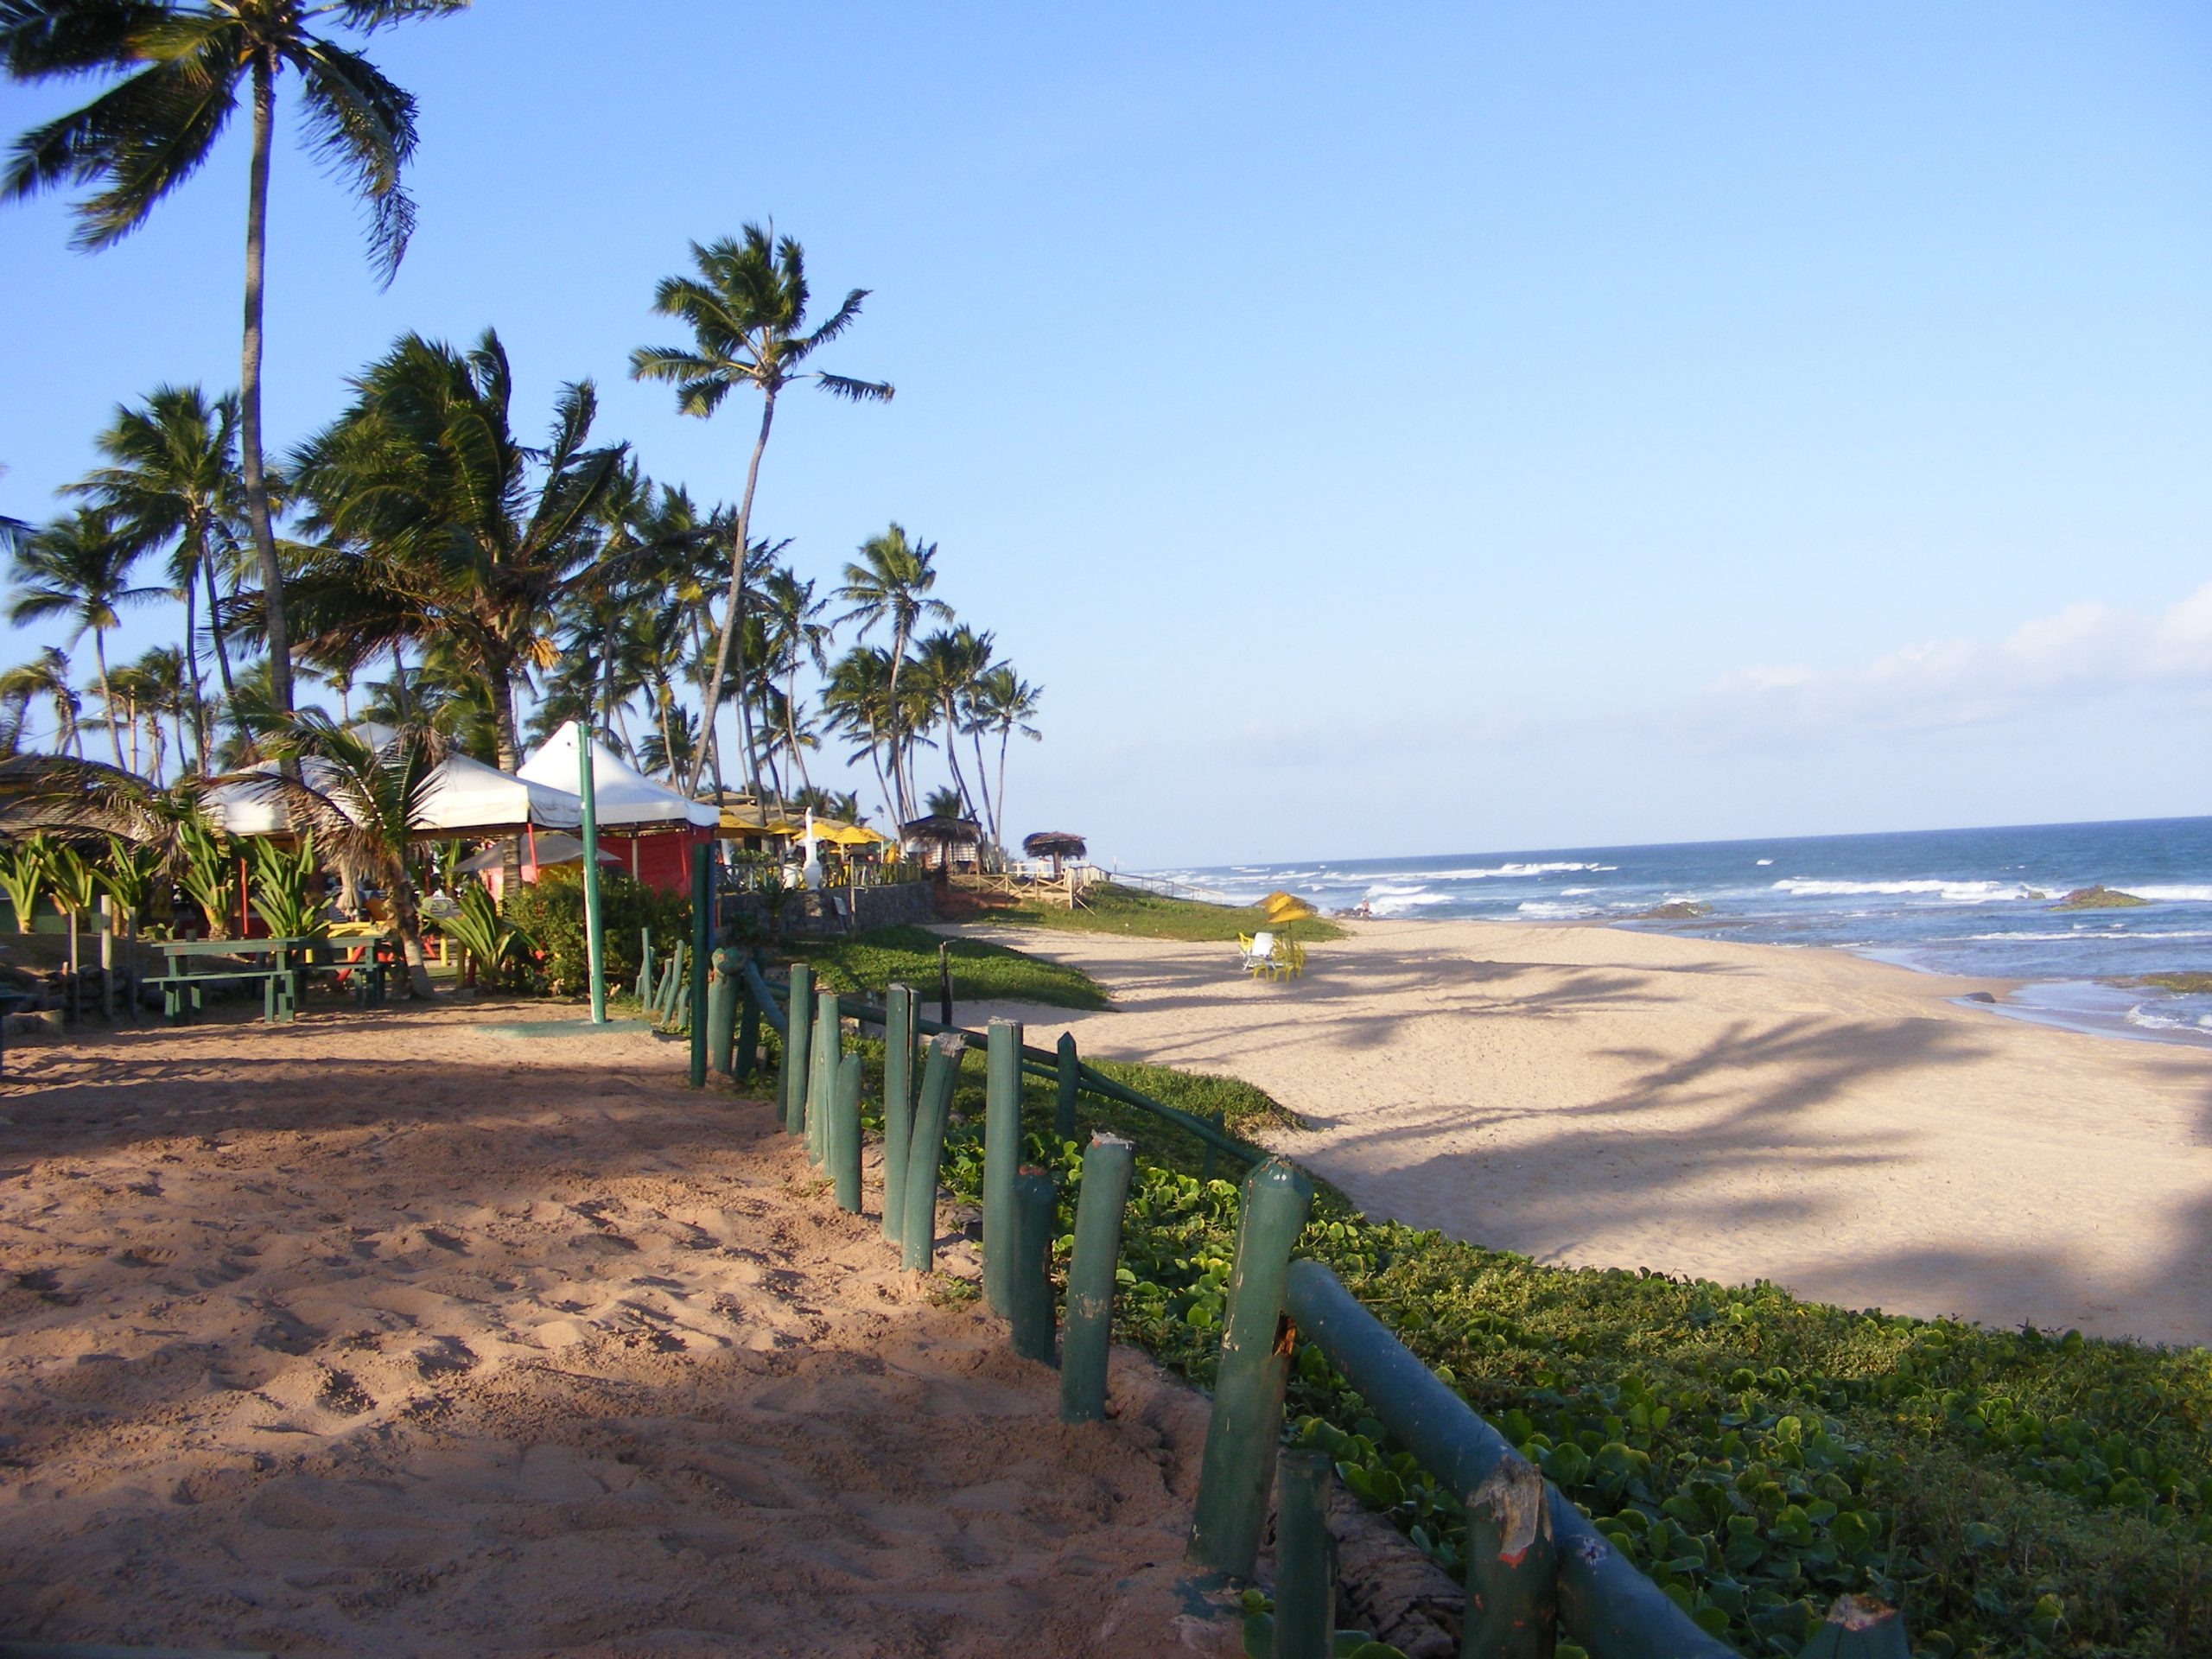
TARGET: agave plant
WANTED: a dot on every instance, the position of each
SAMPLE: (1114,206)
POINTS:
(489,938)
(24,872)
(129,874)
(210,873)
(284,889)
(76,889)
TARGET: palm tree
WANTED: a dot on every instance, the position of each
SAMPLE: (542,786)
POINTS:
(444,526)
(892,582)
(1006,703)
(183,67)
(796,634)
(747,311)
(949,663)
(79,568)
(46,675)
(857,701)
(158,688)
(172,477)
(364,802)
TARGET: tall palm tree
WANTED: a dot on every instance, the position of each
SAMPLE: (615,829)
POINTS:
(891,583)
(1006,703)
(181,68)
(797,635)
(159,691)
(949,663)
(79,568)
(442,524)
(172,478)
(857,700)
(47,675)
(747,311)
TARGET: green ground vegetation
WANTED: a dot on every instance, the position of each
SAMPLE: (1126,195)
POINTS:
(2188,984)
(2098,898)
(982,972)
(2016,1492)
(1109,908)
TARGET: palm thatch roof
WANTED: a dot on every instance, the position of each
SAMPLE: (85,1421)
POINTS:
(945,831)
(1055,843)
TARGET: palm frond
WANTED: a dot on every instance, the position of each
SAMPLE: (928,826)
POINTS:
(361,126)
(858,391)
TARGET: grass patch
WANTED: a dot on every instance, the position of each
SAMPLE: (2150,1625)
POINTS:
(982,972)
(1110,908)
(2016,1492)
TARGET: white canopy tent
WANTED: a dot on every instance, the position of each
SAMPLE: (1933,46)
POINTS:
(462,796)
(624,799)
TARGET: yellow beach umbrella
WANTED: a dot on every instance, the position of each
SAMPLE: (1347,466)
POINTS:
(1286,907)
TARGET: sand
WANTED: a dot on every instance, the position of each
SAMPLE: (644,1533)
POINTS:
(391,1333)
(1596,1096)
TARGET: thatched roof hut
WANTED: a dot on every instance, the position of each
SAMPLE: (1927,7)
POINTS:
(940,834)
(1055,844)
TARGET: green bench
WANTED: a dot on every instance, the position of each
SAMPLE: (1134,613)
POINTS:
(193,966)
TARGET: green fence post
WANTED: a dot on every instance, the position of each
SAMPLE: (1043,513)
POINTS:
(844,1134)
(721,1013)
(1237,1466)
(829,1050)
(1030,1287)
(1066,1067)
(1098,1211)
(746,1059)
(595,936)
(1001,1157)
(703,933)
(898,1103)
(1305,1562)
(926,1156)
(645,968)
(1512,1567)
(797,1048)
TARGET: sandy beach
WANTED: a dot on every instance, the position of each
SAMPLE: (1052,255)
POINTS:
(422,1332)
(1591,1096)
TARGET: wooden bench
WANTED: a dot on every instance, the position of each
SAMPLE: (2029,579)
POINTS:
(193,970)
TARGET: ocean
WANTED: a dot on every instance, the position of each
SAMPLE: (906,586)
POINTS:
(1978,902)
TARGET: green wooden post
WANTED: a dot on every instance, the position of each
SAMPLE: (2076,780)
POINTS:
(944,982)
(829,1050)
(1001,1157)
(797,1048)
(595,944)
(1237,1466)
(1305,1561)
(842,1135)
(703,934)
(898,1103)
(1030,1289)
(645,968)
(721,1012)
(1098,1210)
(1512,1567)
(926,1156)
(747,1057)
(1066,1069)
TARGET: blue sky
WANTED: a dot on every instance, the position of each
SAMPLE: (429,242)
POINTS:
(1382,430)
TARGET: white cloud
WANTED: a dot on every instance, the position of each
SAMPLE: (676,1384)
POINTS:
(2087,650)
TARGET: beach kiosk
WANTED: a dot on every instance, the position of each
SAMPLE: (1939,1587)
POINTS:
(650,828)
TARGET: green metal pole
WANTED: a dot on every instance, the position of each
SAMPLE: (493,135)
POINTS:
(721,1013)
(1098,1212)
(1512,1567)
(703,934)
(926,1156)
(1067,1071)
(843,1134)
(829,1050)
(1306,1562)
(746,1059)
(1001,1157)
(898,1103)
(1237,1466)
(797,1048)
(1031,1289)
(594,946)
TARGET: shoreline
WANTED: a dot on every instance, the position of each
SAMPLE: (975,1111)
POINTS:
(1592,1095)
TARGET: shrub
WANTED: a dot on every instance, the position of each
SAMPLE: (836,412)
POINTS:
(550,913)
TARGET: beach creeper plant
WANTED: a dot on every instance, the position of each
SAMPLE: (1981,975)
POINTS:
(180,70)
(747,311)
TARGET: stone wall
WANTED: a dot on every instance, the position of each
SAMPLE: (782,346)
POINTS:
(749,914)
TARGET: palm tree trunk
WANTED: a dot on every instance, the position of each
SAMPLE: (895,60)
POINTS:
(407,917)
(192,660)
(735,620)
(952,759)
(399,682)
(1006,736)
(983,782)
(107,697)
(898,776)
(222,650)
(790,729)
(256,481)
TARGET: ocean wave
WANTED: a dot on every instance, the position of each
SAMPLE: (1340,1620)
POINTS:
(1508,871)
(1764,863)
(1954,892)
(2170,894)
(1551,910)
(1397,904)
(2153,1018)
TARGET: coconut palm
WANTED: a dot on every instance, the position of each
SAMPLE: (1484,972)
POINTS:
(78,567)
(797,635)
(157,689)
(856,698)
(747,311)
(172,479)
(47,675)
(183,67)
(364,802)
(891,583)
(947,665)
(442,524)
(1006,703)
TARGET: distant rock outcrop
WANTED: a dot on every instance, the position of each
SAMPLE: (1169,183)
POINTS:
(2100,897)
(1675,909)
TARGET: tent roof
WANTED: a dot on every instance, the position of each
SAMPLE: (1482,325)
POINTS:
(621,794)
(466,795)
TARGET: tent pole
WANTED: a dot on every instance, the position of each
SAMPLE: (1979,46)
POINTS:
(593,944)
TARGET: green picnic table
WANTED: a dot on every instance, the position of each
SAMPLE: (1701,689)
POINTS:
(281,964)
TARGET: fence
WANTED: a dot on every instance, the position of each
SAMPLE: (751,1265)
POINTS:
(1537,1568)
